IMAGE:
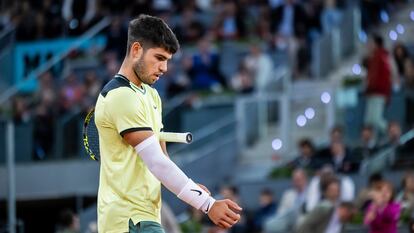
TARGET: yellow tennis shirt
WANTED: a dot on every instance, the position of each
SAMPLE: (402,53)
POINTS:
(127,189)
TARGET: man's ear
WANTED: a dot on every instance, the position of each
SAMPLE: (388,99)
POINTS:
(136,50)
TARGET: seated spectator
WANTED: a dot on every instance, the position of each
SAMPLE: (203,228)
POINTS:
(324,154)
(330,189)
(260,64)
(189,28)
(383,213)
(393,135)
(368,144)
(305,160)
(267,208)
(203,67)
(289,25)
(341,159)
(230,23)
(315,192)
(327,218)
(291,205)
(406,196)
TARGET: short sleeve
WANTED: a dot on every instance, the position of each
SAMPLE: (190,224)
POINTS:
(126,111)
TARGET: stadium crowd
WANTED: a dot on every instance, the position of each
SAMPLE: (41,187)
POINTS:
(226,46)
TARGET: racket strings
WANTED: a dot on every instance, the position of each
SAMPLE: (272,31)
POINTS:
(93,137)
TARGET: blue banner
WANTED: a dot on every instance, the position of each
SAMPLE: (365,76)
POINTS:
(28,56)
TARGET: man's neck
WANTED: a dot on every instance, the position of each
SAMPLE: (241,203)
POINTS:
(127,70)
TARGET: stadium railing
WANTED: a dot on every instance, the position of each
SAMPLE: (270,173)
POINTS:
(333,47)
(385,158)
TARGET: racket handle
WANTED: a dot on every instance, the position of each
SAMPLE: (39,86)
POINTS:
(186,138)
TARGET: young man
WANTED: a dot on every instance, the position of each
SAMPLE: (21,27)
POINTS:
(133,160)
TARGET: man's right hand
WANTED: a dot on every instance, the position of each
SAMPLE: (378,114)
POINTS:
(222,213)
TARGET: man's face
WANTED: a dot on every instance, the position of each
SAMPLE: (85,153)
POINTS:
(345,214)
(333,191)
(299,180)
(151,64)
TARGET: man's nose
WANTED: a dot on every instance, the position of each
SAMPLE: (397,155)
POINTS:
(163,67)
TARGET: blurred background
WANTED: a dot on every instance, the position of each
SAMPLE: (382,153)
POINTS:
(292,104)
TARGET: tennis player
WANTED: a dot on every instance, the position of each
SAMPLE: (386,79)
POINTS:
(133,160)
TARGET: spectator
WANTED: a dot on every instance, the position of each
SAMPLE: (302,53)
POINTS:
(291,205)
(378,90)
(27,22)
(177,81)
(393,135)
(364,198)
(383,213)
(44,126)
(68,222)
(260,64)
(289,25)
(93,86)
(306,159)
(242,81)
(116,35)
(71,93)
(406,196)
(400,54)
(324,155)
(189,28)
(230,23)
(326,217)
(21,112)
(341,159)
(331,17)
(262,28)
(203,67)
(267,209)
(52,17)
(331,188)
(368,144)
(315,191)
(313,11)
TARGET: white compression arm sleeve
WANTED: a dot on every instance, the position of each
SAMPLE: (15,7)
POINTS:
(171,175)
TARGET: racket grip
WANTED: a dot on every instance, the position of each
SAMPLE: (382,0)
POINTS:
(186,138)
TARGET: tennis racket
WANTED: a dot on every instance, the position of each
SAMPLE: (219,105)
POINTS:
(91,136)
